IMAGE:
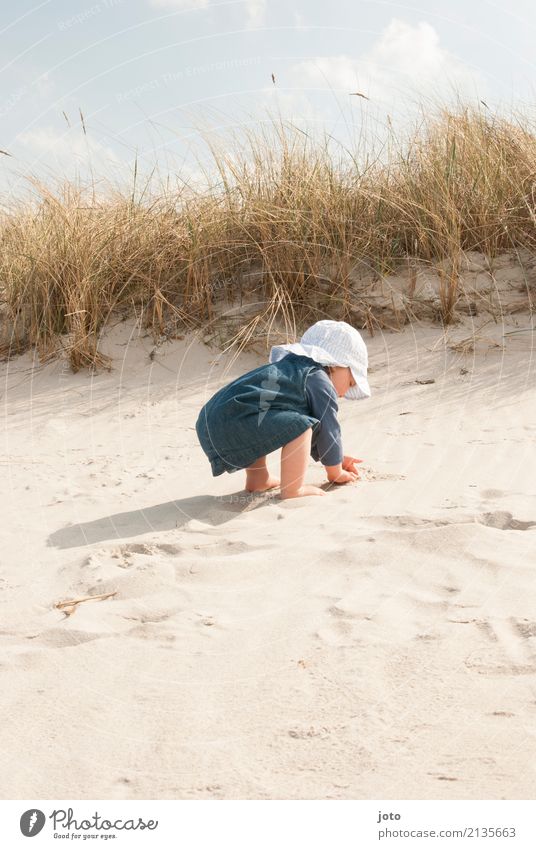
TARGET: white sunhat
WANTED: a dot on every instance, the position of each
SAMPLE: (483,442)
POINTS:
(332,343)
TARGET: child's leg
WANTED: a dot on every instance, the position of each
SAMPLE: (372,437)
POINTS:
(294,460)
(258,478)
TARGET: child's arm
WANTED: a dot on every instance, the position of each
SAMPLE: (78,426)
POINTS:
(327,443)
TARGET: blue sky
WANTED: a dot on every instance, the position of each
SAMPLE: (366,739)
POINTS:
(152,76)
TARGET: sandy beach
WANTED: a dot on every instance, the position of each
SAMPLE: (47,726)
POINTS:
(378,643)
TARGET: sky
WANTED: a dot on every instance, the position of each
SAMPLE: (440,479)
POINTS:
(88,89)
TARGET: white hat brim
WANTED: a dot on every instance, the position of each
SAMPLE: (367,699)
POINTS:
(360,390)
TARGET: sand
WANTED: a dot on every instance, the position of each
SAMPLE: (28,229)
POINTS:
(378,643)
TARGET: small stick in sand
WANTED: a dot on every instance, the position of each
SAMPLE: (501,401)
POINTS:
(69,607)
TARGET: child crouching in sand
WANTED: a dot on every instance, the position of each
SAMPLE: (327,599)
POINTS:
(290,403)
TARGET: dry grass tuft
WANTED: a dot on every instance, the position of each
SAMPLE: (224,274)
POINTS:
(292,234)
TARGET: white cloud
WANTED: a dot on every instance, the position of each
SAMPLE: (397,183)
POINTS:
(63,150)
(292,106)
(405,59)
(255,11)
(337,72)
(44,84)
(299,20)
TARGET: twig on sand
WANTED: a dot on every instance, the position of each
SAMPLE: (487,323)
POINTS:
(523,330)
(69,607)
(466,346)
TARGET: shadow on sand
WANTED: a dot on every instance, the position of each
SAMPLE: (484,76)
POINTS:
(206,509)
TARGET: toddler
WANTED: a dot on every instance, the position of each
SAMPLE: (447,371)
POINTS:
(290,403)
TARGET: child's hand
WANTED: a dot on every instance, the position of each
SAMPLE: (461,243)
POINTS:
(349,464)
(344,477)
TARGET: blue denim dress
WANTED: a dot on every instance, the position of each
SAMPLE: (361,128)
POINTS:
(256,414)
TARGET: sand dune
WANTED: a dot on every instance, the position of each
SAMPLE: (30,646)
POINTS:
(379,644)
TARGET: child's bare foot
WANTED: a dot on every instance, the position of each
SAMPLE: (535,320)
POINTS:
(307,489)
(261,484)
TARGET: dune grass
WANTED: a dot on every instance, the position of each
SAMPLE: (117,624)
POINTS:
(290,234)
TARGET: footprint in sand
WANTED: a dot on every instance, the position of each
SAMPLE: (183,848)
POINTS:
(525,628)
(390,618)
(124,556)
(511,653)
(369,475)
(150,548)
(415,522)
(227,548)
(59,638)
(504,521)
(492,493)
(143,578)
